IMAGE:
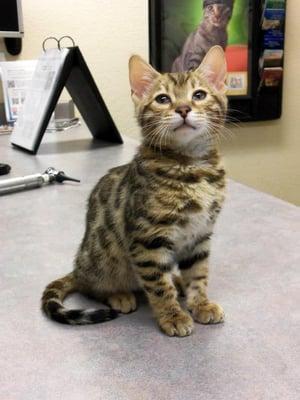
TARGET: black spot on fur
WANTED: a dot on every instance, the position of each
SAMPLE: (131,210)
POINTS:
(103,315)
(52,307)
(74,314)
(151,264)
(189,262)
(156,243)
(159,292)
(192,206)
(155,276)
(212,178)
(78,317)
(146,264)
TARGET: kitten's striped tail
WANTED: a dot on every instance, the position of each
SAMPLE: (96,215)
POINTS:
(52,305)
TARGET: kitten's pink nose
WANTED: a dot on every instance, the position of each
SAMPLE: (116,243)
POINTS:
(183,110)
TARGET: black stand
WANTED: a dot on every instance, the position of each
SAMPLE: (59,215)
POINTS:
(13,45)
(77,78)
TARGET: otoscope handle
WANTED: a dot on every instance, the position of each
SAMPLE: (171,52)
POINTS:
(22,182)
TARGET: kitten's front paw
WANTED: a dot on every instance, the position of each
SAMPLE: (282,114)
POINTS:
(210,313)
(179,324)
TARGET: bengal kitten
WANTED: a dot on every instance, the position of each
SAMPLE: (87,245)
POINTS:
(149,222)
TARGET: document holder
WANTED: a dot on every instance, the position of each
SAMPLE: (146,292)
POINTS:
(73,73)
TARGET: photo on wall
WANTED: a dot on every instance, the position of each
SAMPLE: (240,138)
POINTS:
(187,30)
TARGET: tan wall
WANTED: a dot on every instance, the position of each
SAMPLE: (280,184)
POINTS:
(262,155)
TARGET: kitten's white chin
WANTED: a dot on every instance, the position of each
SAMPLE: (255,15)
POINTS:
(185,134)
(185,128)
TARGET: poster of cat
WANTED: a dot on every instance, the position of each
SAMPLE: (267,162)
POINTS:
(190,28)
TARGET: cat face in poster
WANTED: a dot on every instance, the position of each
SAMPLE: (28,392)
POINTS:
(217,12)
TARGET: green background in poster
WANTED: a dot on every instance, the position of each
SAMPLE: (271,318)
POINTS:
(181,17)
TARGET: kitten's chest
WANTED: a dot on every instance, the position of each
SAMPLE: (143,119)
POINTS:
(200,218)
(198,225)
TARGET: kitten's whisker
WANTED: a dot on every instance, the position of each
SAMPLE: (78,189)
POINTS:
(150,125)
(157,136)
(163,133)
(151,135)
(166,135)
(156,123)
(217,127)
(221,131)
(236,111)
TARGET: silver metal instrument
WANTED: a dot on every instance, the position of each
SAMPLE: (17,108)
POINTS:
(33,181)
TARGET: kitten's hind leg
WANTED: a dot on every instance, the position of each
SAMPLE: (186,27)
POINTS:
(194,272)
(124,302)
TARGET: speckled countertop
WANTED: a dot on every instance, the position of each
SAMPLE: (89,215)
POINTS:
(255,274)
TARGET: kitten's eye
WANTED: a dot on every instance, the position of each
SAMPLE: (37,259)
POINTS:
(163,99)
(210,8)
(199,95)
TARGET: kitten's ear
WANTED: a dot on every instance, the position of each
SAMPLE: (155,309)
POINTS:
(214,66)
(141,75)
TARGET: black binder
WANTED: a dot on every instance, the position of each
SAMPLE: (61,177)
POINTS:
(77,78)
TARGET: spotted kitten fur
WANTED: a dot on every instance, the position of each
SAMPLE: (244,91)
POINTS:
(149,223)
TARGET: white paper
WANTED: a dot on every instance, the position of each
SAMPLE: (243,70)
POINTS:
(16,77)
(38,97)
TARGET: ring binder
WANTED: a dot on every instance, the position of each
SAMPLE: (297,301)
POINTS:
(58,41)
(48,38)
(63,37)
